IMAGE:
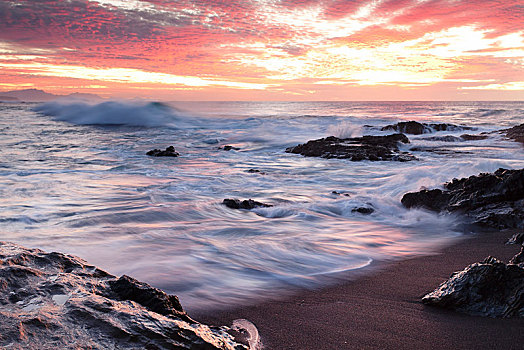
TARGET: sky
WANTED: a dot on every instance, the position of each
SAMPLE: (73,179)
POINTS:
(266,49)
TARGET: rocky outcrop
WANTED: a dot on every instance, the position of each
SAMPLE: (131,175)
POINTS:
(245,204)
(516,133)
(169,152)
(372,148)
(58,301)
(492,199)
(489,288)
(415,128)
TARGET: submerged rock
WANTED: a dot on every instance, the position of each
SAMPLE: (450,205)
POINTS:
(58,301)
(372,148)
(492,199)
(255,171)
(461,138)
(416,128)
(169,152)
(516,133)
(245,204)
(229,148)
(363,210)
(489,288)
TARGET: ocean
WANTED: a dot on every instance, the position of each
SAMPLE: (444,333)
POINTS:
(75,178)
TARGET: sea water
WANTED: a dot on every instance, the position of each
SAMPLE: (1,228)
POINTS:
(75,178)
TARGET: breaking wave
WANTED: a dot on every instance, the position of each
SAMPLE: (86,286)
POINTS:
(150,114)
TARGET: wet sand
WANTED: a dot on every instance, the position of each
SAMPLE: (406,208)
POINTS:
(382,310)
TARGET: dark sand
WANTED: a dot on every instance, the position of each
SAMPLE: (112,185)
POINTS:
(382,310)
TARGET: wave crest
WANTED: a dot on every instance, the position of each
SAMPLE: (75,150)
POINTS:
(150,114)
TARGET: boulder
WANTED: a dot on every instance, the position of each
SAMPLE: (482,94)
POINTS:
(491,199)
(516,133)
(58,301)
(489,288)
(372,148)
(245,204)
(415,128)
(169,152)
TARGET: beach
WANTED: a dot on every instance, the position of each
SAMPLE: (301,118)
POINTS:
(382,310)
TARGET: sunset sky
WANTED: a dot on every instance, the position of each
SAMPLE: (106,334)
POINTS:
(266,49)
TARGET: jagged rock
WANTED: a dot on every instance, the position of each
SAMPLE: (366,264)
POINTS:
(517,238)
(58,301)
(489,288)
(492,199)
(519,258)
(363,210)
(416,128)
(229,148)
(372,148)
(245,204)
(516,133)
(169,152)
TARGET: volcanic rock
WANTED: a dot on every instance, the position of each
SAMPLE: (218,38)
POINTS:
(372,148)
(169,152)
(416,128)
(58,301)
(516,133)
(489,288)
(491,199)
(245,204)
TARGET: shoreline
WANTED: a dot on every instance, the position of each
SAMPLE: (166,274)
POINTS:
(382,309)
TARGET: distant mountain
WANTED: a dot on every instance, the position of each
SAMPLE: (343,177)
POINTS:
(8,98)
(35,95)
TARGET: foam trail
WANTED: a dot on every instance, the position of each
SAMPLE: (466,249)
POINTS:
(248,332)
(151,114)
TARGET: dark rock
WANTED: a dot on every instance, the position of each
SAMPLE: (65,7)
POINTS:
(491,199)
(256,171)
(470,137)
(245,204)
(517,238)
(128,288)
(363,210)
(58,301)
(447,138)
(372,148)
(489,288)
(516,133)
(340,194)
(416,128)
(461,138)
(437,150)
(518,259)
(169,152)
(229,148)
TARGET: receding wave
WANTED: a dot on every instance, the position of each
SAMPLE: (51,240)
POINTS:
(150,114)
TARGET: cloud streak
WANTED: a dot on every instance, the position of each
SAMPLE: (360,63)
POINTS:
(284,47)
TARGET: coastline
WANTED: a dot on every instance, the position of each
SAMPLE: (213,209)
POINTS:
(382,309)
